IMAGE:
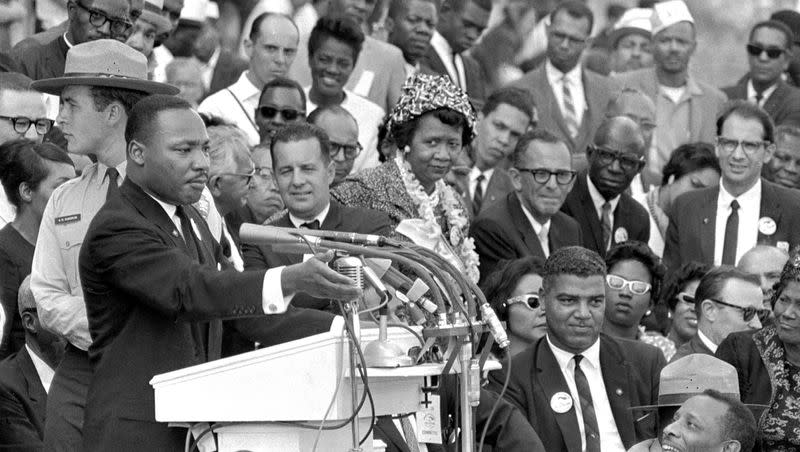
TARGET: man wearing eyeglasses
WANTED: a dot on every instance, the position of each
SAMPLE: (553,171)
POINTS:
(686,108)
(727,300)
(342,129)
(282,101)
(304,169)
(769,52)
(717,225)
(570,99)
(636,105)
(598,201)
(527,221)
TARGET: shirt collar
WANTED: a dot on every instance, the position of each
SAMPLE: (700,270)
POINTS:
(441,46)
(168,208)
(101,172)
(42,368)
(563,357)
(753,195)
(321,217)
(244,88)
(707,342)
(537,227)
(598,199)
(554,75)
(751,91)
(212,62)
(475,172)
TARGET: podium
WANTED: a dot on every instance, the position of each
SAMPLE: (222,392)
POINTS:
(254,394)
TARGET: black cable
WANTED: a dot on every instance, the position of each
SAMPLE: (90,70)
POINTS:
(496,403)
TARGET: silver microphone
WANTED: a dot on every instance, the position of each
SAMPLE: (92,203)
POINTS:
(352,267)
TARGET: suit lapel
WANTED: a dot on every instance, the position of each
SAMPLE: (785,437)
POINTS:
(780,93)
(594,105)
(334,218)
(556,236)
(523,225)
(615,377)
(550,99)
(588,209)
(36,392)
(151,210)
(695,113)
(771,208)
(707,225)
(548,376)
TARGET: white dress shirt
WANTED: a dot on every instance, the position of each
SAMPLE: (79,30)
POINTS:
(707,342)
(473,180)
(43,369)
(207,69)
(610,441)
(749,212)
(237,105)
(162,57)
(296,221)
(542,231)
(452,62)
(751,93)
(598,201)
(575,85)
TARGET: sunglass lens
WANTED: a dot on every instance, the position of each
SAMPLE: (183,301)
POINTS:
(268,112)
(290,115)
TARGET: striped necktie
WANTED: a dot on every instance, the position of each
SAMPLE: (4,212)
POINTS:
(570,117)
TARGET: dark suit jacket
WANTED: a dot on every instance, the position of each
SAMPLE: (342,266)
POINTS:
(598,90)
(499,186)
(22,404)
(692,223)
(432,63)
(227,71)
(39,61)
(629,215)
(340,218)
(695,345)
(631,371)
(751,353)
(151,308)
(783,105)
(503,232)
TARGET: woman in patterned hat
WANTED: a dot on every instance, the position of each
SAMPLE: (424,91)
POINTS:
(430,125)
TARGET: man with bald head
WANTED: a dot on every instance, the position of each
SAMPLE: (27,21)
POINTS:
(342,129)
(598,201)
(636,105)
(766,262)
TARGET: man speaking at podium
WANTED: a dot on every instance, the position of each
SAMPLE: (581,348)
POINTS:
(153,290)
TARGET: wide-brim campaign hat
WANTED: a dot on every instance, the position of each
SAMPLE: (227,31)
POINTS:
(104,62)
(689,376)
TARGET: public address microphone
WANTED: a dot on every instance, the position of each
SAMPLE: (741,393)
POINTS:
(271,235)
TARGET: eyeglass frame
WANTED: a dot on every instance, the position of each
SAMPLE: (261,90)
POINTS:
(751,47)
(15,119)
(336,148)
(281,111)
(618,156)
(684,297)
(762,144)
(249,177)
(524,300)
(747,312)
(629,284)
(106,19)
(550,174)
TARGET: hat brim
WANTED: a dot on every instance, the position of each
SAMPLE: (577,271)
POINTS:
(754,406)
(161,23)
(54,86)
(620,33)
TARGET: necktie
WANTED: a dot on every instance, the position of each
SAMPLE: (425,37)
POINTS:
(311,225)
(477,198)
(457,80)
(570,117)
(606,225)
(731,235)
(543,239)
(587,408)
(759,98)
(113,189)
(188,235)
(409,434)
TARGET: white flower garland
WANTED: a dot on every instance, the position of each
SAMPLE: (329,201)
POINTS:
(457,221)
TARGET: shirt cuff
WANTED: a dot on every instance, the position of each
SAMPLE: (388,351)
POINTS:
(272,298)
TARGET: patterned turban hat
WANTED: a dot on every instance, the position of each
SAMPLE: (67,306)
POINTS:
(790,272)
(423,93)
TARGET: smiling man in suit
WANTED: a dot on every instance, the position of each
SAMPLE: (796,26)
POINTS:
(718,225)
(576,386)
(304,170)
(598,201)
(769,53)
(527,221)
(571,100)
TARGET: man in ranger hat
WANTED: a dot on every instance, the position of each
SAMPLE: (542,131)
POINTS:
(102,81)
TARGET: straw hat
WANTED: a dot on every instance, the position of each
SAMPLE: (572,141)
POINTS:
(634,21)
(667,14)
(104,62)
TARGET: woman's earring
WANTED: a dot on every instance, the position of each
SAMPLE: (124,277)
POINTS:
(407,150)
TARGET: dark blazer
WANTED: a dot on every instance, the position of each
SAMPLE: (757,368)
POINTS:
(695,345)
(22,404)
(749,353)
(432,63)
(227,71)
(692,223)
(503,232)
(339,218)
(629,215)
(598,90)
(783,105)
(152,308)
(41,60)
(631,372)
(499,186)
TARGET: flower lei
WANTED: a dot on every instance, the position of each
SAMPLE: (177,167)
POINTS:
(457,221)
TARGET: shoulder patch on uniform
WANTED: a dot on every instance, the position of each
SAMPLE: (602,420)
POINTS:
(66,219)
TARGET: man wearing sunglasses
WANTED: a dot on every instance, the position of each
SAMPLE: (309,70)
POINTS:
(527,221)
(342,129)
(769,52)
(598,201)
(282,101)
(717,225)
(727,300)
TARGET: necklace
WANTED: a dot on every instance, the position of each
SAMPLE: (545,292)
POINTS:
(457,221)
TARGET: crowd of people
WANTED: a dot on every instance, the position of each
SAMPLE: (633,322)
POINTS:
(636,228)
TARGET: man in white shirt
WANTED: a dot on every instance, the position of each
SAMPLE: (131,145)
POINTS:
(727,300)
(575,386)
(271,48)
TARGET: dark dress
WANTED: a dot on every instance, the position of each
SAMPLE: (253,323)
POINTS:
(16,258)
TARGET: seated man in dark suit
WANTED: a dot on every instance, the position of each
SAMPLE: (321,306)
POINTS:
(598,201)
(717,225)
(153,290)
(25,379)
(575,385)
(527,222)
(304,170)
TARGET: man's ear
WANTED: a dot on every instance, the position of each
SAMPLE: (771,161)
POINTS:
(116,114)
(388,25)
(248,47)
(708,310)
(732,446)
(136,151)
(25,192)
(29,322)
(214,185)
(516,178)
